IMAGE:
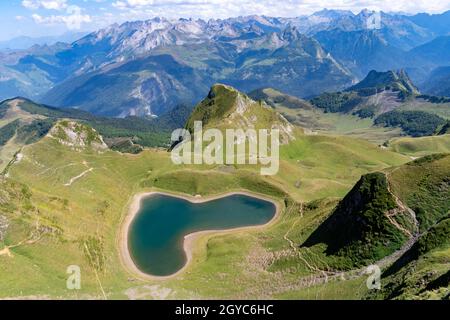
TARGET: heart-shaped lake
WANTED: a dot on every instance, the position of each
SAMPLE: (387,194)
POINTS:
(157,232)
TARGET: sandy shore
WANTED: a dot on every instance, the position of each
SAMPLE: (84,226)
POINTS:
(190,239)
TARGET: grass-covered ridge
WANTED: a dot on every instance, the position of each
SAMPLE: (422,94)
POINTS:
(147,132)
(422,272)
(84,194)
(424,185)
(80,196)
(358,228)
(421,146)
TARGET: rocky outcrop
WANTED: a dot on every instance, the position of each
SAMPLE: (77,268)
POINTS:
(4,224)
(77,136)
(228,108)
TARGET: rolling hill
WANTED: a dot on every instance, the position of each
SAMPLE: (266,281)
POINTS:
(391,100)
(80,195)
(398,218)
(23,122)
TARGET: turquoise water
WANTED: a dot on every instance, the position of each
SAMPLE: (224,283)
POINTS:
(156,235)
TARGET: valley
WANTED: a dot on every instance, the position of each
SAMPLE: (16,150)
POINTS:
(81,221)
(104,145)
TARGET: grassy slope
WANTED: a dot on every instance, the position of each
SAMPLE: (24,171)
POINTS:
(424,185)
(11,118)
(79,224)
(423,271)
(358,227)
(418,147)
(339,124)
(94,205)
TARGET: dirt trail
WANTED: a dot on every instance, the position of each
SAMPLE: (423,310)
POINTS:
(6,252)
(401,207)
(323,276)
(81,175)
(34,237)
(295,248)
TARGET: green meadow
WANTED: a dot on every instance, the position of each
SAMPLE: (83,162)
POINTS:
(76,221)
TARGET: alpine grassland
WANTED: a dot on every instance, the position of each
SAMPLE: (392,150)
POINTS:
(71,218)
(65,197)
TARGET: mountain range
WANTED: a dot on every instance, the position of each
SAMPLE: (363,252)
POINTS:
(146,68)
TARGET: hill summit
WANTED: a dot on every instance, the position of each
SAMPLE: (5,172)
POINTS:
(227,108)
(393,80)
(77,135)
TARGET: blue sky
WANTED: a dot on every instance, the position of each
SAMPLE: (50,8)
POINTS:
(53,17)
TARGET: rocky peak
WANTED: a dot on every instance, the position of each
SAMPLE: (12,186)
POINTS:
(225,107)
(77,136)
(394,80)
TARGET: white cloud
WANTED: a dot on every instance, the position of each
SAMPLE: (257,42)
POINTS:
(73,20)
(45,4)
(230,8)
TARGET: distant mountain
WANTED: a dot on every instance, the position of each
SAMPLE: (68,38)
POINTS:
(436,50)
(134,68)
(437,23)
(173,74)
(396,29)
(438,82)
(24,42)
(142,87)
(393,80)
(361,50)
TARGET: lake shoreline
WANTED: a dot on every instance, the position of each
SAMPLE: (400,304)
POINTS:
(189,239)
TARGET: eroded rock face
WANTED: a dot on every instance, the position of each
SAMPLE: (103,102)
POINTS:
(4,224)
(77,136)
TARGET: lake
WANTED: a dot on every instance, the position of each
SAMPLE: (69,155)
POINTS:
(156,234)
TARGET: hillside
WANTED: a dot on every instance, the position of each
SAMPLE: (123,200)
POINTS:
(438,82)
(274,97)
(225,107)
(422,272)
(410,276)
(389,99)
(398,220)
(75,198)
(144,132)
(367,224)
(423,185)
(435,50)
(390,80)
(377,93)
(419,147)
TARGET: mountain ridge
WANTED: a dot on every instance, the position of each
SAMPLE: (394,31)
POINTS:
(245,52)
